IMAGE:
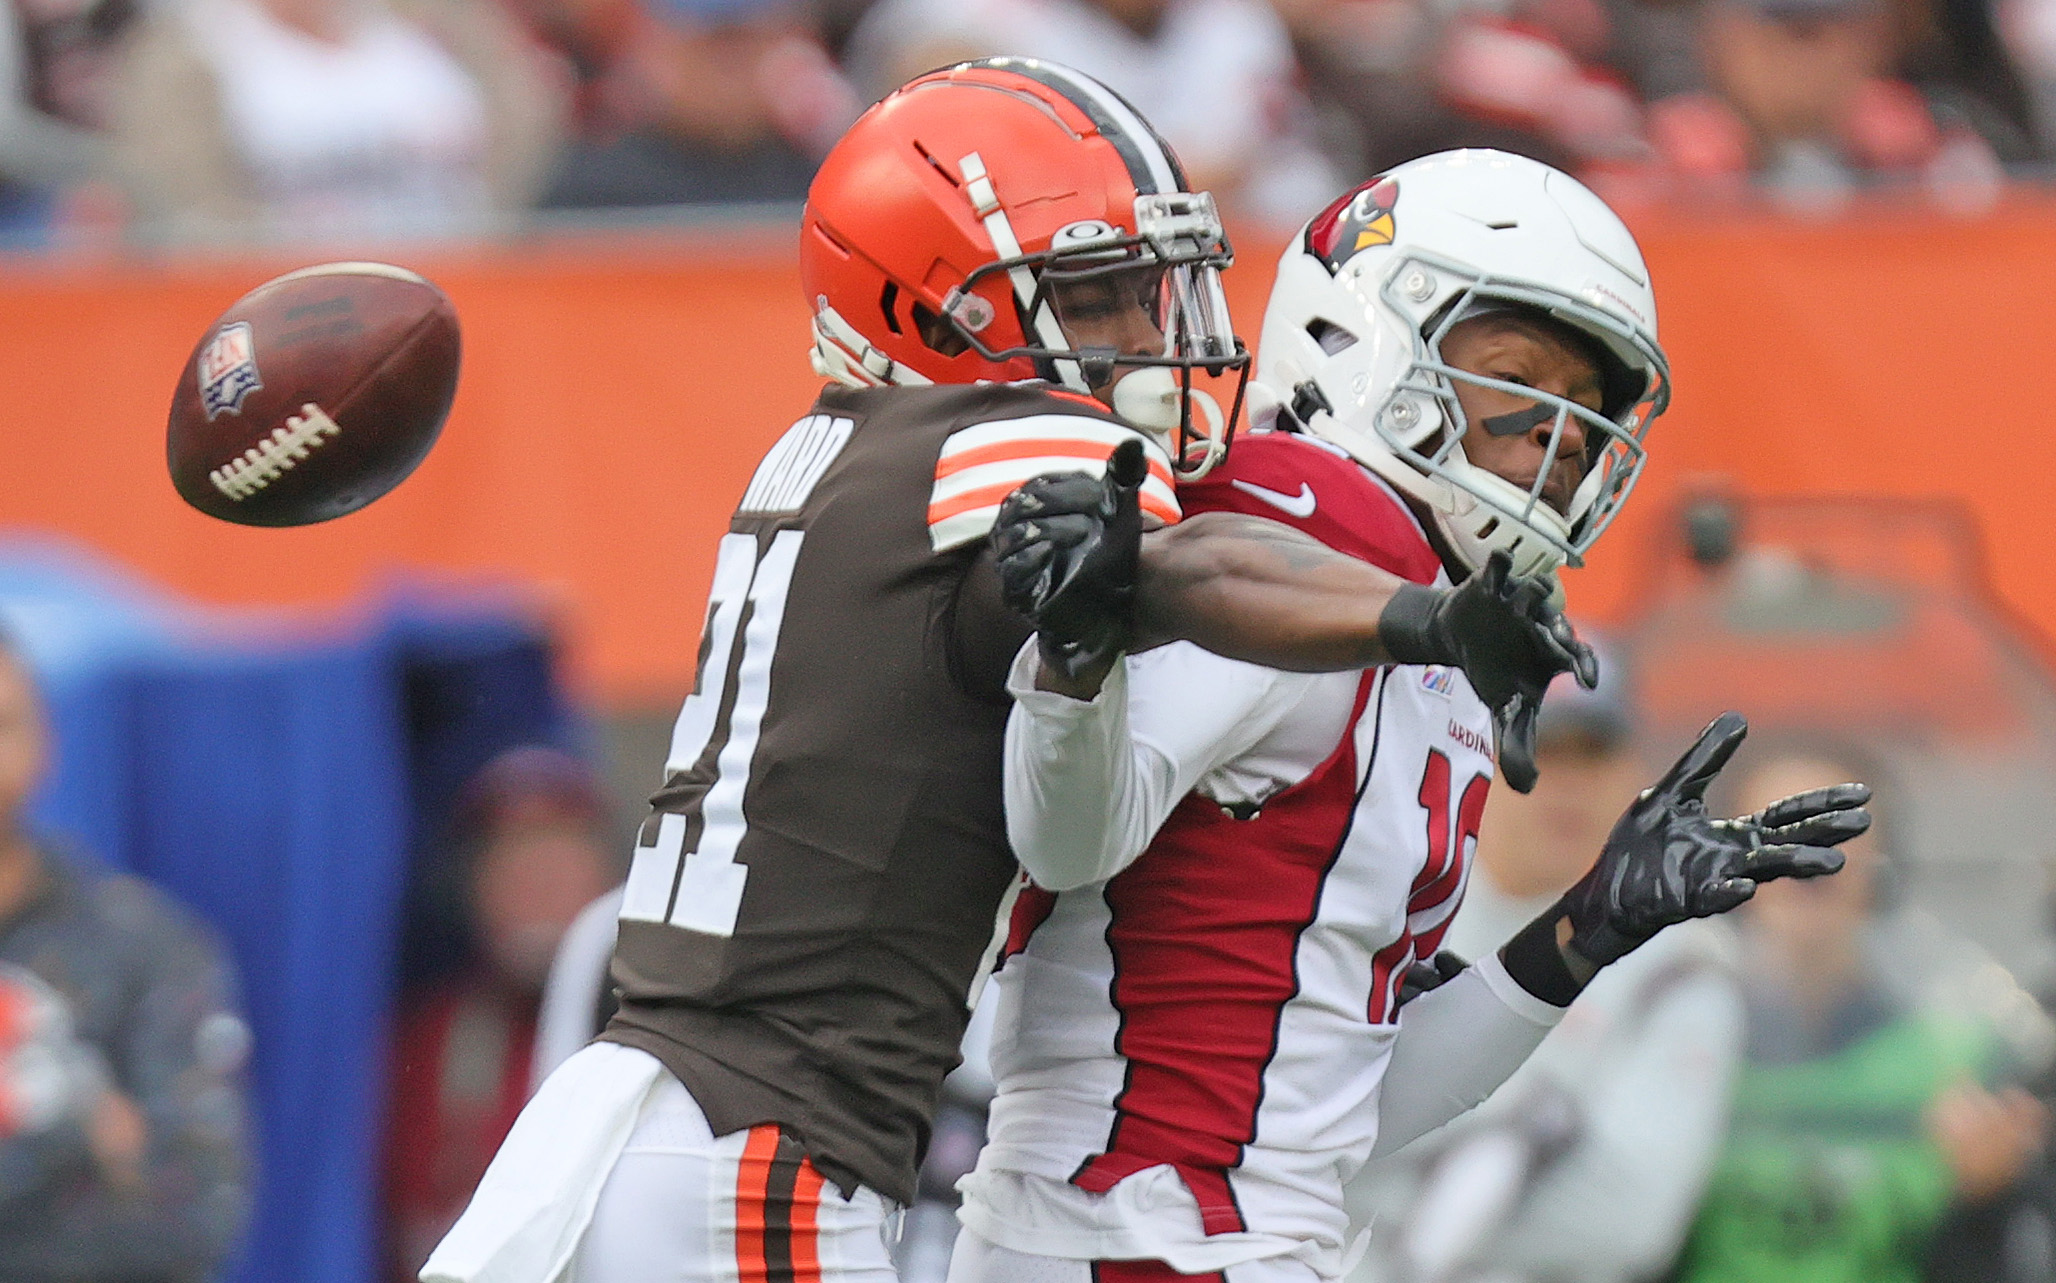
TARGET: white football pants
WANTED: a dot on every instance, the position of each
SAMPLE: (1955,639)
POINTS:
(612,1175)
(979,1261)
(685,1206)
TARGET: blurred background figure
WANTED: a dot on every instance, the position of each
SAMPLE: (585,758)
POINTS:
(1587,1164)
(706,102)
(1865,1110)
(56,71)
(327,120)
(528,846)
(1816,98)
(1394,79)
(2027,34)
(122,1116)
(1215,77)
(578,998)
(1691,99)
(588,46)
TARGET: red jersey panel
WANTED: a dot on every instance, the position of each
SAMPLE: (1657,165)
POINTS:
(1304,482)
(1225,1006)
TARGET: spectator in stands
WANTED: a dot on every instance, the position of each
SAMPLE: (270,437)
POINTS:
(122,1127)
(2028,31)
(719,101)
(529,846)
(593,45)
(1807,97)
(1953,52)
(1216,77)
(1863,1111)
(1394,79)
(1588,1163)
(55,58)
(331,120)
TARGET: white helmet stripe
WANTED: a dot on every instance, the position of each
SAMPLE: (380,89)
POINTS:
(985,204)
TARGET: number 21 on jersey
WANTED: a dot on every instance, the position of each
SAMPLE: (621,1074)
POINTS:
(701,890)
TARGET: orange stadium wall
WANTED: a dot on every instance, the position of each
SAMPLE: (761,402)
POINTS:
(615,395)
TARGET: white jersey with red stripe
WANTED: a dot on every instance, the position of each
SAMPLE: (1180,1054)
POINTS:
(1190,1053)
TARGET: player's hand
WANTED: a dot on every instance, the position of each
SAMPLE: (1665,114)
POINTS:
(1509,639)
(1068,546)
(1430,973)
(1668,860)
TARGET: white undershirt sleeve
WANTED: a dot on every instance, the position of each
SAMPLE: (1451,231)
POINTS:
(1655,1114)
(1457,1043)
(1087,787)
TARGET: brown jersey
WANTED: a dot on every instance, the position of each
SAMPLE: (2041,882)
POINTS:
(818,881)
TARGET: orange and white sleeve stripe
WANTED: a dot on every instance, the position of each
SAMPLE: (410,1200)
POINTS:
(983,464)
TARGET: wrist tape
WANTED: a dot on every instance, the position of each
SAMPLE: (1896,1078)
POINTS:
(1536,964)
(1407,626)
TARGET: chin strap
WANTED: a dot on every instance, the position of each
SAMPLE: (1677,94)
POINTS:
(1153,400)
(847,357)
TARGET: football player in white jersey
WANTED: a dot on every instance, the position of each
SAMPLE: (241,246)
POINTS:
(1199,1036)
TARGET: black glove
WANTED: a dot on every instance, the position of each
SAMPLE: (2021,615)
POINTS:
(1668,860)
(1068,546)
(1430,973)
(1507,638)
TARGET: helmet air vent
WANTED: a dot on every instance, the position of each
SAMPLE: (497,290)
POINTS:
(937,166)
(1332,337)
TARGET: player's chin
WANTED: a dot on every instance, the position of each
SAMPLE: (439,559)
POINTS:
(1557,494)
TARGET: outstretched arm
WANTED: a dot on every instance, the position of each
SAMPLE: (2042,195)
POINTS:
(1667,861)
(1262,592)
(1073,557)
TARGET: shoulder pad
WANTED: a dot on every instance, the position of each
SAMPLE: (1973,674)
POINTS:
(982,463)
(1306,484)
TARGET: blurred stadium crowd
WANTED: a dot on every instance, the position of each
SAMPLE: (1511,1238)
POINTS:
(298,120)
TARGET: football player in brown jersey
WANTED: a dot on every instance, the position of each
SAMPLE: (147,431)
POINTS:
(1009,279)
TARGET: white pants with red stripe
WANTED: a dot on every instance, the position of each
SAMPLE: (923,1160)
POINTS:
(979,1261)
(612,1175)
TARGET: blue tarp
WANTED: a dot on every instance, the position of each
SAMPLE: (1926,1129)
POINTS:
(276,774)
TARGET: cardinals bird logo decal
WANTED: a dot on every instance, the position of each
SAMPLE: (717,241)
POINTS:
(1358,221)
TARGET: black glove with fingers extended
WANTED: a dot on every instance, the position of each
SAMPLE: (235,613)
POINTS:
(1668,860)
(1507,635)
(1068,547)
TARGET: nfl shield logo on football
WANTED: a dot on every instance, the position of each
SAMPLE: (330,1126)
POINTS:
(227,370)
(1436,678)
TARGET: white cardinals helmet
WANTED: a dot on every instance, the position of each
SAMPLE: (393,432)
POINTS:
(1367,291)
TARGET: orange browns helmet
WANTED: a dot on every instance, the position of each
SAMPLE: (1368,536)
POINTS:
(936,228)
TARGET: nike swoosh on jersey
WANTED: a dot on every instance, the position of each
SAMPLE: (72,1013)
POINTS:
(1299,505)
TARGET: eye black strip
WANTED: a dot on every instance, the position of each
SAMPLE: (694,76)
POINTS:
(1516,422)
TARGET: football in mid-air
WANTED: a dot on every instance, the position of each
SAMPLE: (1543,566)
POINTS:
(313,395)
